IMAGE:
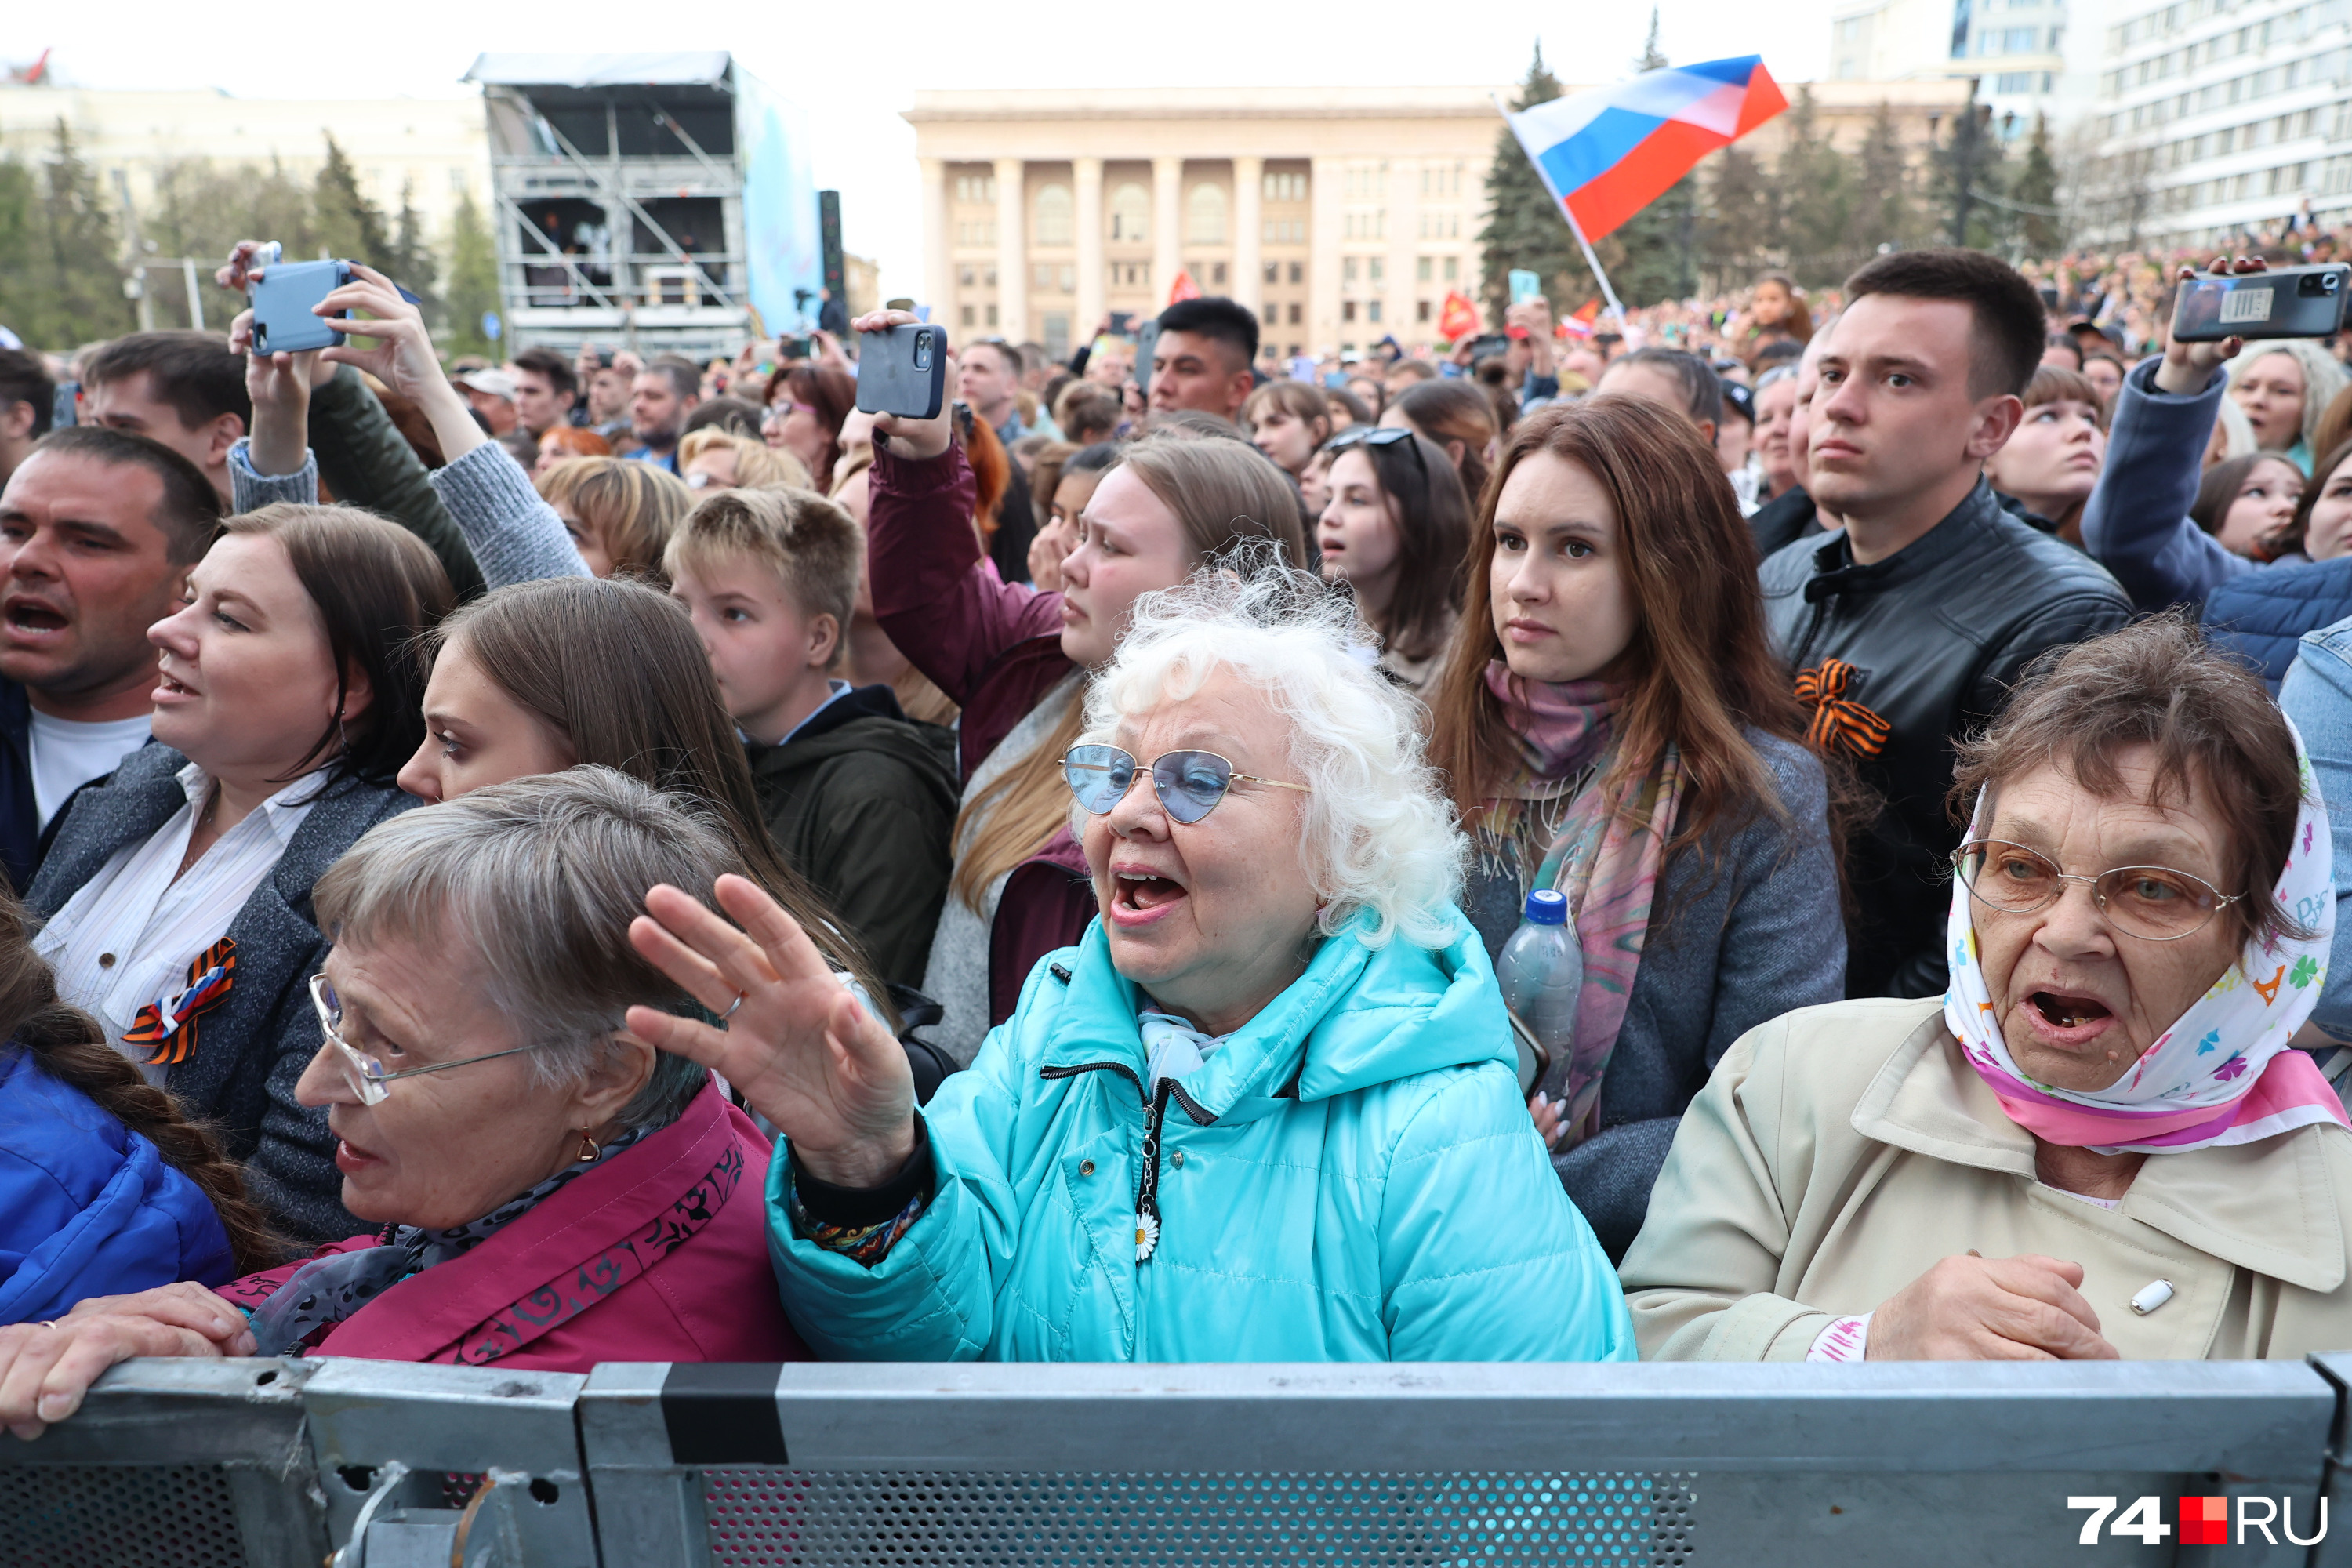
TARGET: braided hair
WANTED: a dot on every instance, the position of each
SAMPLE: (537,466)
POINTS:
(66,1043)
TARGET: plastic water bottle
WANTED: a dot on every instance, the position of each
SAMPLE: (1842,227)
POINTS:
(1542,972)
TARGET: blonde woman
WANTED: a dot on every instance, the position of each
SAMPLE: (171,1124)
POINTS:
(1016,660)
(619,512)
(715,460)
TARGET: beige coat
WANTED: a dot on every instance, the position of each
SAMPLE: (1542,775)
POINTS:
(1840,1152)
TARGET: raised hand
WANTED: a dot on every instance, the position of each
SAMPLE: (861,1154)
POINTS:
(2189,366)
(806,1054)
(916,438)
(2029,1308)
(279,385)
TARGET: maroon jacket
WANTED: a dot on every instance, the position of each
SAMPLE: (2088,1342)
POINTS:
(995,650)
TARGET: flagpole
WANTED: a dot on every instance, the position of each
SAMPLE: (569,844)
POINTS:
(1560,203)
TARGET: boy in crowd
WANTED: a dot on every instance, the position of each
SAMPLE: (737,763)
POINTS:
(860,798)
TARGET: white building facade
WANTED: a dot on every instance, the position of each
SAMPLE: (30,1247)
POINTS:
(2030,58)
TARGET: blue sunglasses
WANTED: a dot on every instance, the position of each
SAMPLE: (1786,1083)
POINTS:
(1189,784)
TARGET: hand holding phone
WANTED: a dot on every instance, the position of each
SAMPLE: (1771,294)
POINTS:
(2291,302)
(902,378)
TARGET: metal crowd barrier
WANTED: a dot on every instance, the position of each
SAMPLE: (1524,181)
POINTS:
(290,1463)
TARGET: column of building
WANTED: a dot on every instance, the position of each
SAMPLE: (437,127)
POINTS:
(1323,232)
(1012,252)
(1249,231)
(1166,226)
(938,270)
(1088,173)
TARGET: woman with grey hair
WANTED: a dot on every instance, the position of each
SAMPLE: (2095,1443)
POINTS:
(552,1192)
(1266,1109)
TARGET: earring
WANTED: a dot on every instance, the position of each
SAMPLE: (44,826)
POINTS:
(343,736)
(589,1150)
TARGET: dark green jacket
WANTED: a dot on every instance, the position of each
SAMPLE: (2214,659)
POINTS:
(364,460)
(862,800)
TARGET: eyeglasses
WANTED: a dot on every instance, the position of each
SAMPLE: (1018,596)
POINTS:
(2153,903)
(1379,436)
(1189,784)
(782,409)
(362,1072)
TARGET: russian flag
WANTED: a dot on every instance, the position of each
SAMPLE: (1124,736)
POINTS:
(1607,154)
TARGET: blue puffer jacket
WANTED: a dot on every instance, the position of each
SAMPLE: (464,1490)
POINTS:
(2263,615)
(1352,1176)
(87,1206)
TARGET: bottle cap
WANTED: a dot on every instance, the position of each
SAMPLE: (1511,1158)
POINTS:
(1547,907)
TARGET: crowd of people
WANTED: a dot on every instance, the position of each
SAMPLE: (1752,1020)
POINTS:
(1029,883)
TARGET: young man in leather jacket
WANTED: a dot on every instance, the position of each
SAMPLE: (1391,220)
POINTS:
(1906,629)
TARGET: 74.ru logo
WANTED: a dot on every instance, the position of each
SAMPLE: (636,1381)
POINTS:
(2204,1520)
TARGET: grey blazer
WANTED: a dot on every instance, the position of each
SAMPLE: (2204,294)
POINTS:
(1753,930)
(255,1046)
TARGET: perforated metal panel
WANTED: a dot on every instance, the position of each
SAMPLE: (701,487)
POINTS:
(768,1517)
(118,1516)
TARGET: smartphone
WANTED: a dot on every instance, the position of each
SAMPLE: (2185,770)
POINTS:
(2049,293)
(1525,285)
(1147,339)
(1486,345)
(282,297)
(1122,323)
(795,348)
(65,404)
(2291,302)
(903,370)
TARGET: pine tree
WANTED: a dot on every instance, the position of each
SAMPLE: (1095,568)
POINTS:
(1654,247)
(412,264)
(1816,196)
(1525,228)
(1881,213)
(2043,234)
(473,279)
(350,227)
(60,261)
(1736,218)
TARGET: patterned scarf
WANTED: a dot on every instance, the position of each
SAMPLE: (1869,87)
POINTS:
(1602,850)
(326,1291)
(2224,1073)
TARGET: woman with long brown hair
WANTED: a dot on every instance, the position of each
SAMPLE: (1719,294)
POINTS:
(1459,417)
(105,1188)
(1616,727)
(1396,530)
(1018,661)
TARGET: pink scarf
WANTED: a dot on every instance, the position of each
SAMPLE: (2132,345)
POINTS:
(1602,850)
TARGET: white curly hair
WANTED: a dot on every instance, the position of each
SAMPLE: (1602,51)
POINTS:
(1380,836)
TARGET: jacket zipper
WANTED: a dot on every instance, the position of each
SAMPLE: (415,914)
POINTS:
(1155,1112)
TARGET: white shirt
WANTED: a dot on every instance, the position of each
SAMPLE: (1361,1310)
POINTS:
(67,754)
(840,690)
(126,938)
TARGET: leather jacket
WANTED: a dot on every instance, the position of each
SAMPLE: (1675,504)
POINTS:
(1898,660)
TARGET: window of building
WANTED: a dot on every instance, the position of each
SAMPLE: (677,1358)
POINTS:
(1424,269)
(1380,268)
(1285,187)
(1069,279)
(1297,272)
(1274,271)
(1347,310)
(975,187)
(1294,317)
(1041,275)
(1130,215)
(2013,81)
(1452,268)
(1204,216)
(1373,312)
(967,315)
(1421,311)
(992,315)
(963,278)
(1056,215)
(1220,270)
(1274,315)
(1348,269)
(988,275)
(1057,335)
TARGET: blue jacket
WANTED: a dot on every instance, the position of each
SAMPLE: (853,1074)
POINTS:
(1352,1176)
(2264,614)
(2137,522)
(87,1207)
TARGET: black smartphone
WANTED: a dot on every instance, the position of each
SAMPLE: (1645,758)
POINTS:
(1486,345)
(903,370)
(1147,339)
(1122,323)
(282,299)
(2291,302)
(795,348)
(2049,293)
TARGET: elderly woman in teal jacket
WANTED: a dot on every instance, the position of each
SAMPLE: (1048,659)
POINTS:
(1264,1110)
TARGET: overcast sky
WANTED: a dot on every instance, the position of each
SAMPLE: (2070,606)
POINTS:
(856,67)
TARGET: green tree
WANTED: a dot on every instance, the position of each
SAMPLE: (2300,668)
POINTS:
(1737,218)
(1882,210)
(1816,192)
(349,226)
(201,210)
(1525,228)
(412,264)
(2035,191)
(63,285)
(1970,167)
(1654,251)
(473,279)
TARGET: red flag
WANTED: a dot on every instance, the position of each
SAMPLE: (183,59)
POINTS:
(1183,288)
(1580,324)
(1458,318)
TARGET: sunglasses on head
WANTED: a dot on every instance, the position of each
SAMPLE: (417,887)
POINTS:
(1189,784)
(1377,435)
